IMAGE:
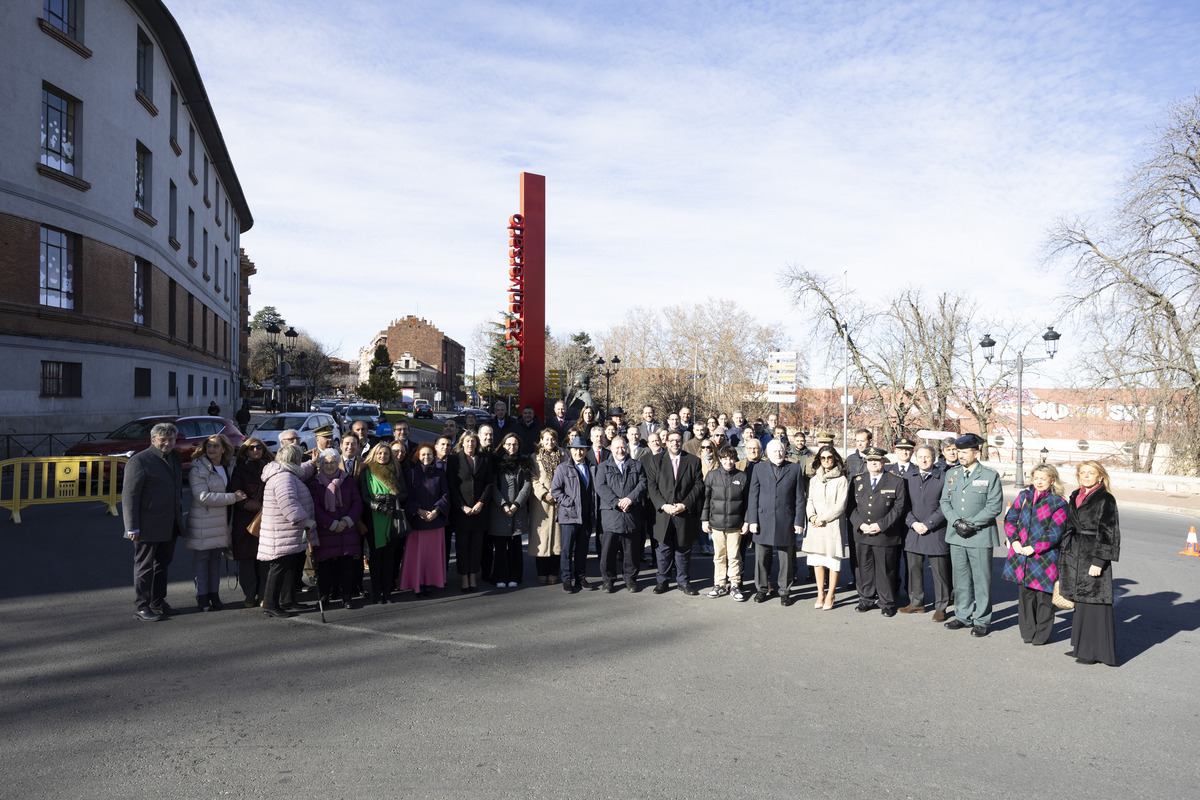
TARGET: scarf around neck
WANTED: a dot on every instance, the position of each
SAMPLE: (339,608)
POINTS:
(384,474)
(333,489)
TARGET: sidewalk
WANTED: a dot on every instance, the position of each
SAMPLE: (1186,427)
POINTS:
(1143,499)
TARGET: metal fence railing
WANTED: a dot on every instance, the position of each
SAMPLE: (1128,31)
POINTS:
(25,445)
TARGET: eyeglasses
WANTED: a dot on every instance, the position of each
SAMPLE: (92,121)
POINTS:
(827,458)
(254,447)
(290,439)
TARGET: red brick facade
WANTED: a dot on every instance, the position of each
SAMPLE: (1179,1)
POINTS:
(428,344)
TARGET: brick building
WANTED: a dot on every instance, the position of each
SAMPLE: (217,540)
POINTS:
(427,344)
(122,280)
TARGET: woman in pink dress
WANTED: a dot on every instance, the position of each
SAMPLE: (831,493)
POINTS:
(428,506)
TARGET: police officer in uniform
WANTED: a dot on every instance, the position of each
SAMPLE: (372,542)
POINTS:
(880,500)
(324,436)
(971,499)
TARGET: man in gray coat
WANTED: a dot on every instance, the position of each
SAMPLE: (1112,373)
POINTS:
(152,505)
(775,511)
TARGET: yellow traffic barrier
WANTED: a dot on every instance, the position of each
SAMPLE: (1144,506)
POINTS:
(60,479)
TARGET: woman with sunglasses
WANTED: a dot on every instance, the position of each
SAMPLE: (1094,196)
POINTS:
(251,457)
(827,492)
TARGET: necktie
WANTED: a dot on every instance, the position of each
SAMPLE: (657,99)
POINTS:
(583,476)
(675,467)
(873,482)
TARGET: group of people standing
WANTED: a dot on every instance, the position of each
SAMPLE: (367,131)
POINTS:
(723,483)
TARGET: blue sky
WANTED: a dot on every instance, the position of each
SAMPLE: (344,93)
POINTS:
(691,149)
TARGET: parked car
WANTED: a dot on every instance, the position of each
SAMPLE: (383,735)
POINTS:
(304,424)
(422,408)
(134,437)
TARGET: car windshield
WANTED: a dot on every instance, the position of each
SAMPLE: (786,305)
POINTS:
(138,429)
(362,411)
(282,423)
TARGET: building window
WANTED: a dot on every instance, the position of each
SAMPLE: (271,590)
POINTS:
(205,189)
(204,254)
(216,265)
(175,118)
(204,386)
(58,269)
(191,385)
(145,64)
(217,203)
(173,210)
(203,327)
(61,14)
(172,385)
(62,379)
(59,113)
(192,153)
(141,382)
(172,291)
(141,194)
(191,333)
(141,291)
(191,237)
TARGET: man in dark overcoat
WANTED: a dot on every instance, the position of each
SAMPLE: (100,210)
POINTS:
(677,491)
(152,507)
(775,513)
(621,488)
(926,536)
(880,499)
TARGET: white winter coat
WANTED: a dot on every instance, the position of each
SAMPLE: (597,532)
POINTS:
(208,524)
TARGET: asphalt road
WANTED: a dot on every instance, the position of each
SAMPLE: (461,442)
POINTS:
(533,693)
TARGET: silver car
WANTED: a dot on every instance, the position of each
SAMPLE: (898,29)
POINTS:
(304,424)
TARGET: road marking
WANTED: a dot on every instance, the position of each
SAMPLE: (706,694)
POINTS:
(404,636)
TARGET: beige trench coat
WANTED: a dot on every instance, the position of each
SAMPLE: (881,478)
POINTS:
(545,534)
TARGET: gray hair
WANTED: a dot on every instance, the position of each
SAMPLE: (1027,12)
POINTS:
(932,453)
(164,430)
(775,446)
(290,454)
(329,454)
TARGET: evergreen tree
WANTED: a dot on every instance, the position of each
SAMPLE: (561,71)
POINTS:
(265,316)
(381,386)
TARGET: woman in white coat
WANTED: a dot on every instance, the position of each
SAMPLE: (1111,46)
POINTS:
(208,524)
(827,491)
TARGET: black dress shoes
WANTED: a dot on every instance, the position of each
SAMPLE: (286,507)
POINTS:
(146,615)
(786,600)
(164,608)
(660,588)
(888,612)
(863,608)
(632,588)
(979,631)
(956,624)
(567,587)
(760,597)
(689,590)
(277,612)
(608,587)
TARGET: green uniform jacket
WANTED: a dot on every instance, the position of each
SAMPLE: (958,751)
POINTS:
(978,499)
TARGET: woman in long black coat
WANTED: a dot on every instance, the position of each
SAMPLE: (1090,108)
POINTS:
(1091,542)
(469,472)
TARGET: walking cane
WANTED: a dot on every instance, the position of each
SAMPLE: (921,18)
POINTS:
(316,574)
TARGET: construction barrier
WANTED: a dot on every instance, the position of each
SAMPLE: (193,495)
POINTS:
(1193,547)
(61,479)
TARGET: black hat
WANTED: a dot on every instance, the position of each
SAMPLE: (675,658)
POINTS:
(874,453)
(904,442)
(617,411)
(969,440)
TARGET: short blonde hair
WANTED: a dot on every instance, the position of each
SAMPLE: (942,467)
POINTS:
(1056,484)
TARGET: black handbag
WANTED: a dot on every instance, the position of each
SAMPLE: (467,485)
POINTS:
(384,504)
(400,526)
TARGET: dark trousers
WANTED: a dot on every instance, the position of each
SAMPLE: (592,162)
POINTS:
(670,551)
(573,561)
(468,551)
(281,580)
(252,577)
(150,562)
(487,566)
(940,567)
(848,537)
(383,562)
(630,545)
(764,557)
(1035,615)
(546,565)
(878,575)
(336,573)
(507,558)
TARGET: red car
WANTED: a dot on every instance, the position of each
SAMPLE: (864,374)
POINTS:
(134,437)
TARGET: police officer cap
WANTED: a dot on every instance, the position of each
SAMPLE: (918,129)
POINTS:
(874,454)
(324,430)
(968,440)
(578,442)
(824,437)
(904,442)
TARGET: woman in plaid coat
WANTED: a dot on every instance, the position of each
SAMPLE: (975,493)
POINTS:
(1034,528)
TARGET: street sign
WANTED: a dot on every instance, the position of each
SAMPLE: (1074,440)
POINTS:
(783,355)
(783,388)
(781,398)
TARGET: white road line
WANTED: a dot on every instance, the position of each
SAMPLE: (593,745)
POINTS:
(404,636)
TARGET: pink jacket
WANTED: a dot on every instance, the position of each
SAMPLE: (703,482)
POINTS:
(287,506)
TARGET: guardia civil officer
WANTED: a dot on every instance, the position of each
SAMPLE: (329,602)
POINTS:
(880,500)
(971,499)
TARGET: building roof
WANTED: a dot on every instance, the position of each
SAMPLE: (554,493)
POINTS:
(178,54)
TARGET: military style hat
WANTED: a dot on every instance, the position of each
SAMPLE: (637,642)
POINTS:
(969,440)
(824,437)
(324,430)
(904,442)
(874,453)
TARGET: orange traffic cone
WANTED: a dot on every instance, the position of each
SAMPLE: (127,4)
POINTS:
(1193,548)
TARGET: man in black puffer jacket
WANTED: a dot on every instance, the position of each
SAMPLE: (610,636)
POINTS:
(724,517)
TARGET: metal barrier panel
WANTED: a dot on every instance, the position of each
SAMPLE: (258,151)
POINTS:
(60,479)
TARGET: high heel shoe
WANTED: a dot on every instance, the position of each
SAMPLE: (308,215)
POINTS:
(820,601)
(828,602)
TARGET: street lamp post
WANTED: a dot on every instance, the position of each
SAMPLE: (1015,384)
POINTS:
(474,385)
(1050,337)
(615,364)
(282,368)
(491,376)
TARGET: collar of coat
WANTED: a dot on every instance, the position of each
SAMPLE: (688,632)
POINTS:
(384,475)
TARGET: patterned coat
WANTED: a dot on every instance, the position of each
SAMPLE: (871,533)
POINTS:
(1035,520)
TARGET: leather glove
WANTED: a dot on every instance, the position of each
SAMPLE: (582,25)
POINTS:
(964,529)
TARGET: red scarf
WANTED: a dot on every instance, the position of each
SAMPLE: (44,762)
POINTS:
(1084,494)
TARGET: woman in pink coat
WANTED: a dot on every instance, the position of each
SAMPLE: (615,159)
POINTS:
(287,514)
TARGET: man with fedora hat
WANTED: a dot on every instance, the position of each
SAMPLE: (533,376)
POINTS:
(573,490)
(880,500)
(971,500)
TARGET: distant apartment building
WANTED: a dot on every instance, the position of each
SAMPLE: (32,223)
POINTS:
(122,281)
(420,340)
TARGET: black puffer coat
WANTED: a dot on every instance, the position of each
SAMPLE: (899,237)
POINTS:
(1092,535)
(725,495)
